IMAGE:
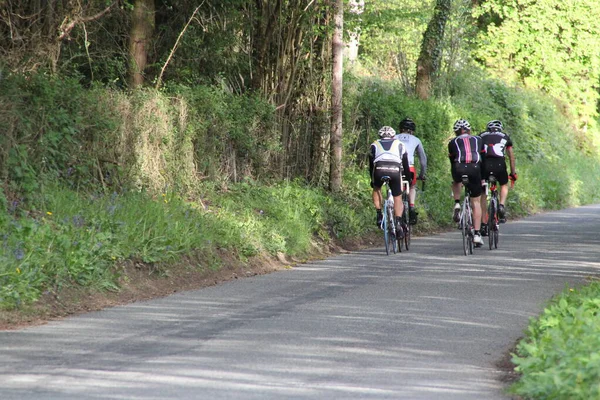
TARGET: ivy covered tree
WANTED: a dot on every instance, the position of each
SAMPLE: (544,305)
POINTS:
(431,48)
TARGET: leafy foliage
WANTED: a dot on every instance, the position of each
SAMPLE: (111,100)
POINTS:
(545,45)
(550,176)
(557,358)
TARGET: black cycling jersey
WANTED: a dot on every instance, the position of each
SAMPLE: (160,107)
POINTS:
(495,143)
(466,149)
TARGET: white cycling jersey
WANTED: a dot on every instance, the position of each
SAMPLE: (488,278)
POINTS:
(412,144)
(389,150)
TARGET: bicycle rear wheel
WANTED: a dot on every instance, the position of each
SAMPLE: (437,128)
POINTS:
(393,240)
(491,223)
(407,227)
(470,229)
(386,231)
(392,227)
(496,235)
(465,228)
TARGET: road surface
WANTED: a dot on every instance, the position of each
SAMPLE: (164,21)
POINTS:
(425,324)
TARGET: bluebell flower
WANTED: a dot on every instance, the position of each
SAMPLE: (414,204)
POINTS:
(19,254)
(78,221)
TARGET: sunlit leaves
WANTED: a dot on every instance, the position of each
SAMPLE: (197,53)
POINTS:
(546,45)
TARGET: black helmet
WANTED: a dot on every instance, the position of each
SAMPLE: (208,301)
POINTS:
(408,124)
(461,124)
(494,126)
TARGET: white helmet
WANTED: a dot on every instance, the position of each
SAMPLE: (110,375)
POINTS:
(494,126)
(387,132)
(461,124)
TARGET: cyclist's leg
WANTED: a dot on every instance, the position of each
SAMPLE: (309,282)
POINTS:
(476,205)
(377,198)
(398,206)
(475,189)
(412,196)
(457,173)
(377,202)
(503,193)
(396,187)
(502,176)
(484,216)
(376,184)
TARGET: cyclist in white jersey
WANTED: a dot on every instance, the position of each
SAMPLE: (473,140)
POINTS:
(413,144)
(388,157)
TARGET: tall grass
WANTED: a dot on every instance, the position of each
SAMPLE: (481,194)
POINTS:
(81,238)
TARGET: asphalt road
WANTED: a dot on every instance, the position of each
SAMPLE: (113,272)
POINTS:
(425,324)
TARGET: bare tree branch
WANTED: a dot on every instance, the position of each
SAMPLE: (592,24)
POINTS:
(159,80)
(65,30)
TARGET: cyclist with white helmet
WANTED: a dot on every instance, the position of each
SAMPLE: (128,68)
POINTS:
(497,144)
(466,153)
(413,144)
(388,157)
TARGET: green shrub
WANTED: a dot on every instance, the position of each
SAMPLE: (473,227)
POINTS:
(558,359)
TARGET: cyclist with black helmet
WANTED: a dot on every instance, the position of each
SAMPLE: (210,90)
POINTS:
(388,157)
(497,145)
(413,144)
(466,153)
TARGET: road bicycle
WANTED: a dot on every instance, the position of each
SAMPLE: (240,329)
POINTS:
(406,226)
(466,219)
(493,220)
(387,224)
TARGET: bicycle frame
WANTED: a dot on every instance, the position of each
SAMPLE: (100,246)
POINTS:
(389,229)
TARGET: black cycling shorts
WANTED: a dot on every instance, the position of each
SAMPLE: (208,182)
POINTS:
(473,171)
(497,166)
(393,170)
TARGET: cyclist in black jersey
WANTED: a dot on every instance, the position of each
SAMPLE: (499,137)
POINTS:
(388,157)
(466,153)
(497,144)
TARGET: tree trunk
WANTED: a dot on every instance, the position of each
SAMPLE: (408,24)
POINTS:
(335,166)
(142,28)
(431,48)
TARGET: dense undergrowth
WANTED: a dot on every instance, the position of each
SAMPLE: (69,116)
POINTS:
(93,177)
(558,359)
(77,238)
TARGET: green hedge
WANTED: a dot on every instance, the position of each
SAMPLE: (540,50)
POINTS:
(559,358)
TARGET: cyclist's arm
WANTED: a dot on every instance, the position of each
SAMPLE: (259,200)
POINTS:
(451,153)
(405,164)
(371,159)
(422,160)
(511,159)
(481,149)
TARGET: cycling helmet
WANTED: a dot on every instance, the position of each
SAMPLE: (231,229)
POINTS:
(494,126)
(461,124)
(387,132)
(408,124)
